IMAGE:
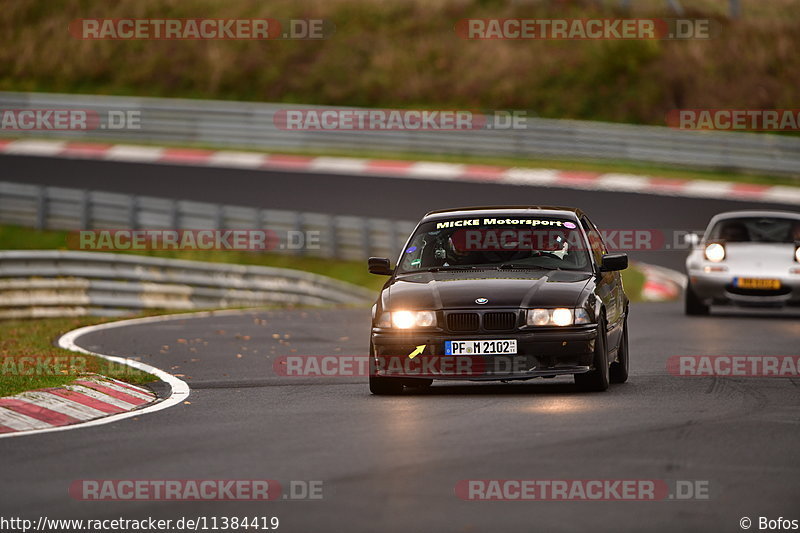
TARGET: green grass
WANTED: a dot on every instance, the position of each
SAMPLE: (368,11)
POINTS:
(30,360)
(633,281)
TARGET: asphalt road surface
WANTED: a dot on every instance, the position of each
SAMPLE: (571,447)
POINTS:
(392,463)
(401,199)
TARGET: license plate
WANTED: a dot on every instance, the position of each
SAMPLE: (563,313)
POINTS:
(758,283)
(489,347)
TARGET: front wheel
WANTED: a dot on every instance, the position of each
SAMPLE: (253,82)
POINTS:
(618,373)
(379,385)
(693,305)
(596,380)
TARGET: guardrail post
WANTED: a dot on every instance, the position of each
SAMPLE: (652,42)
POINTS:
(133,215)
(85,210)
(366,237)
(218,217)
(333,236)
(299,224)
(41,207)
(174,215)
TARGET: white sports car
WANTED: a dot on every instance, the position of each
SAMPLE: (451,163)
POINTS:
(746,258)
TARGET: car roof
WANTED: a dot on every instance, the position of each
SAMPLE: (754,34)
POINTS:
(505,210)
(744,214)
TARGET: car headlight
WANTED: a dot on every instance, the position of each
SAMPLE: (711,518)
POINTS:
(715,252)
(560,316)
(797,254)
(407,319)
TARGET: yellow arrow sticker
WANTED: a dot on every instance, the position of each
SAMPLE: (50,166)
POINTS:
(417,351)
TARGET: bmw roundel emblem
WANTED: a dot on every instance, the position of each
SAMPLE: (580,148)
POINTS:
(481,301)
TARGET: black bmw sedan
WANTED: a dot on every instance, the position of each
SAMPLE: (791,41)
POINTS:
(500,293)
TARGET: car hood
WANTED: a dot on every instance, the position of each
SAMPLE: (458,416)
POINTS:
(459,290)
(758,255)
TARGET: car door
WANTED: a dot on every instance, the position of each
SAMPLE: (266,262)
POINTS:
(608,283)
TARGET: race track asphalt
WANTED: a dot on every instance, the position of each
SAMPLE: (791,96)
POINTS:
(392,463)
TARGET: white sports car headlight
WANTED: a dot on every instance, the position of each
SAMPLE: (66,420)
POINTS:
(715,252)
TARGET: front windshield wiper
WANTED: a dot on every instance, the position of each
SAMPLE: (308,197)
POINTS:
(452,267)
(510,266)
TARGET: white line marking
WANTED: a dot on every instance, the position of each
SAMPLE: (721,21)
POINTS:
(129,152)
(230,158)
(61,405)
(339,165)
(623,182)
(44,148)
(438,171)
(531,176)
(21,422)
(703,188)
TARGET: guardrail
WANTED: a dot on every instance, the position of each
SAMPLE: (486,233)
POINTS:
(70,283)
(250,125)
(60,208)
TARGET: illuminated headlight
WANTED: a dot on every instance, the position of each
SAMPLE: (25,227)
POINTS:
(407,319)
(797,254)
(715,252)
(557,317)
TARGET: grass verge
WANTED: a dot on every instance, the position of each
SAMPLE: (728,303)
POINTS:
(30,360)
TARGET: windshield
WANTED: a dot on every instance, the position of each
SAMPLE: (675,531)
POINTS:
(756,229)
(490,242)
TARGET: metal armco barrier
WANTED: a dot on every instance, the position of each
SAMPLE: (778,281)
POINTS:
(67,283)
(251,125)
(59,208)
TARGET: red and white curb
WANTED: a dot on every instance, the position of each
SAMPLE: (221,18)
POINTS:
(179,389)
(80,401)
(424,170)
(661,284)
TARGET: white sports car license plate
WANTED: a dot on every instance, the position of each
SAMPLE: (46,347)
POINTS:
(488,347)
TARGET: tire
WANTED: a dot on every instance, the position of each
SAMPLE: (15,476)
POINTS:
(597,380)
(692,304)
(381,386)
(618,373)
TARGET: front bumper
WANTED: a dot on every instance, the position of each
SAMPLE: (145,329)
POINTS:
(718,288)
(541,352)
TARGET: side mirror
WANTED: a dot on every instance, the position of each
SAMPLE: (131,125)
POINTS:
(613,262)
(691,239)
(379,265)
